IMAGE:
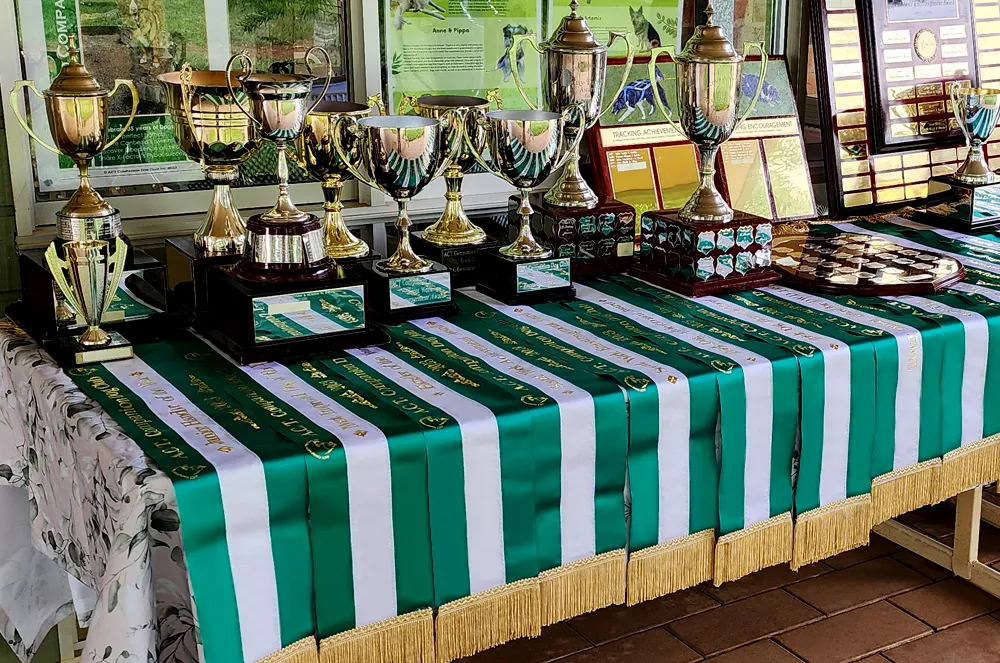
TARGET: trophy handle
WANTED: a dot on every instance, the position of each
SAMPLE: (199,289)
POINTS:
(186,94)
(351,167)
(20,119)
(456,116)
(244,58)
(493,96)
(759,45)
(375,101)
(482,121)
(512,56)
(629,57)
(329,74)
(657,90)
(135,107)
(118,260)
(407,103)
(577,138)
(953,95)
(58,267)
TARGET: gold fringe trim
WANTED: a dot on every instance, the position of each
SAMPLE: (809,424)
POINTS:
(303,651)
(487,619)
(904,490)
(968,466)
(754,548)
(831,529)
(670,567)
(582,586)
(408,638)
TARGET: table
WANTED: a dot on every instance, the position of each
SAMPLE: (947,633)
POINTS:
(466,484)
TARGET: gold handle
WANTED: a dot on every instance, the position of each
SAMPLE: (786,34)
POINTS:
(407,100)
(352,168)
(657,90)
(759,45)
(629,57)
(244,58)
(135,106)
(493,96)
(574,147)
(58,267)
(375,101)
(512,56)
(484,123)
(20,119)
(118,260)
(329,74)
(456,116)
(187,91)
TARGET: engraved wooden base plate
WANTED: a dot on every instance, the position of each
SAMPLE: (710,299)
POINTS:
(859,264)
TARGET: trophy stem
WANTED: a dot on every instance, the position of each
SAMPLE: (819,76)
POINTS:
(340,241)
(284,209)
(223,230)
(404,260)
(571,190)
(525,247)
(454,228)
(975,169)
(707,204)
(94,337)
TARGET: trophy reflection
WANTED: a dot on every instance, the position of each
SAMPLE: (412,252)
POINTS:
(400,155)
(974,201)
(88,277)
(77,110)
(524,148)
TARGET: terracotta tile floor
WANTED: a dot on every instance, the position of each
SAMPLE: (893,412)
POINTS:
(878,604)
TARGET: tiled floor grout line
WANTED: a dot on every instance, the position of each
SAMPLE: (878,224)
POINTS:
(787,649)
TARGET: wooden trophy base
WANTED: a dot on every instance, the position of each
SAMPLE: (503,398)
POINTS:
(399,297)
(462,261)
(68,351)
(525,281)
(285,321)
(705,258)
(971,208)
(44,313)
(600,241)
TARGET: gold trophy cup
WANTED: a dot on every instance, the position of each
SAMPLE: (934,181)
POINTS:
(574,66)
(317,154)
(77,109)
(211,129)
(88,277)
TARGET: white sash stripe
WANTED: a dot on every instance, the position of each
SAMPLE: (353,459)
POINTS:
(836,393)
(977,348)
(578,434)
(480,459)
(758,381)
(674,410)
(369,485)
(244,503)
(910,349)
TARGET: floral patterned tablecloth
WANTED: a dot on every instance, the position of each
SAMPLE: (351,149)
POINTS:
(97,509)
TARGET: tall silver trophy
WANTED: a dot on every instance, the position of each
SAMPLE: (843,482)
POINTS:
(88,277)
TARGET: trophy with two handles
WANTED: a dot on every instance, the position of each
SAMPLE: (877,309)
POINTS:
(704,247)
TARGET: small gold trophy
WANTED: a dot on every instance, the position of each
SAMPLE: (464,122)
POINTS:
(77,110)
(88,277)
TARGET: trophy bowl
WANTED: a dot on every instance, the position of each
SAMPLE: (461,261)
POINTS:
(977,111)
(211,129)
(400,155)
(317,154)
(525,146)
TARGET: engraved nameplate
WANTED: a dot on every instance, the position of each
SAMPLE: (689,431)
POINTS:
(543,275)
(419,290)
(312,313)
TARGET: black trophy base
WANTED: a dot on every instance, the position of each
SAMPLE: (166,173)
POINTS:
(525,281)
(692,288)
(68,351)
(285,321)
(462,261)
(968,208)
(187,275)
(44,313)
(401,297)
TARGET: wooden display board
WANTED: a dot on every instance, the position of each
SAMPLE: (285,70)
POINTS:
(883,76)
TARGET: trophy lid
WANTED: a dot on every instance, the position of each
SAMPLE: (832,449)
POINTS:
(709,43)
(74,80)
(574,34)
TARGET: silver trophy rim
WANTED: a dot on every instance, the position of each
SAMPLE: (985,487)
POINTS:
(524,115)
(398,122)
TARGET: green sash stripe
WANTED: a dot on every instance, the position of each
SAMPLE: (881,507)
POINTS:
(199,501)
(285,475)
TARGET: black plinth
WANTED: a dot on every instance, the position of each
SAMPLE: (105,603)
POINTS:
(44,313)
(187,275)
(284,321)
(68,351)
(399,297)
(462,261)
(705,258)
(525,281)
(968,208)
